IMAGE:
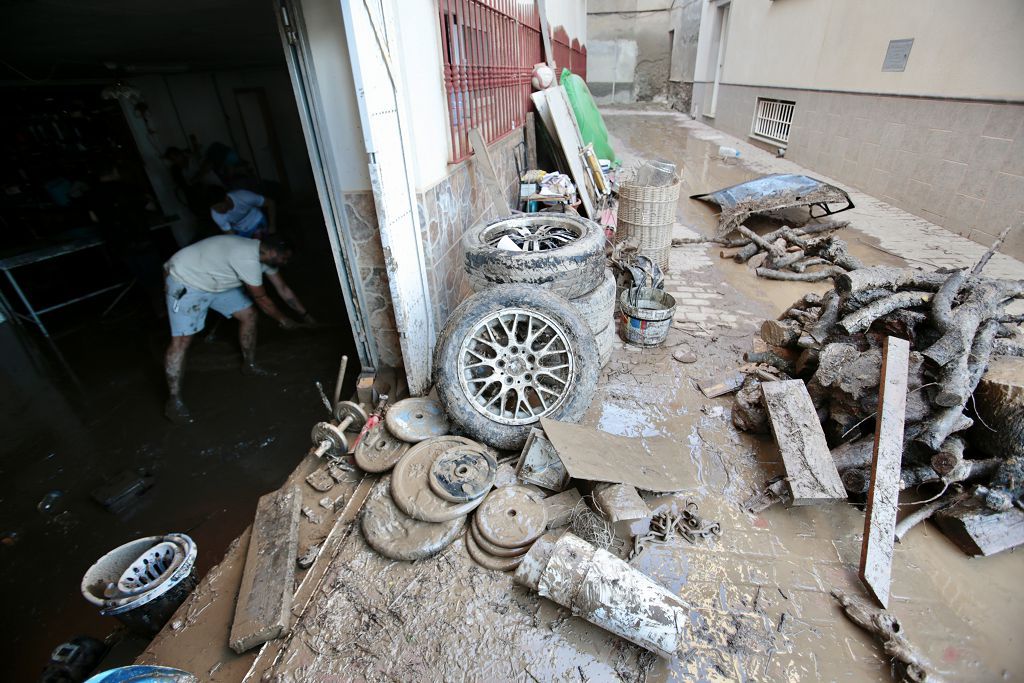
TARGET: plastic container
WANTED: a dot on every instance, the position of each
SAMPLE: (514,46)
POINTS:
(143,582)
(656,173)
(646,315)
(728,152)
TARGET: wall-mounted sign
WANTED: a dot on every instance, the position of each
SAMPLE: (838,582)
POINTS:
(897,55)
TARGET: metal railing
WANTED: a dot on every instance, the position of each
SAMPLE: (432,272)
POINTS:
(773,119)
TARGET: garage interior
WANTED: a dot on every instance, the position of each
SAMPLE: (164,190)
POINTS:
(104,84)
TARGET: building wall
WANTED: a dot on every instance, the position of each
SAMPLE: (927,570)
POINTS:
(943,140)
(642,50)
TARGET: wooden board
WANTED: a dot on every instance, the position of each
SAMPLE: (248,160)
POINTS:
(720,386)
(812,474)
(265,595)
(491,181)
(569,139)
(884,489)
(980,531)
(545,33)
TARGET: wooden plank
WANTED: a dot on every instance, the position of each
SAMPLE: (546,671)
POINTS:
(569,140)
(491,182)
(980,531)
(884,489)
(263,610)
(720,386)
(812,474)
(545,33)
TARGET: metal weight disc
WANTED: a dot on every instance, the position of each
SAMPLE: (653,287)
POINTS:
(358,414)
(499,564)
(395,535)
(462,473)
(411,490)
(492,549)
(512,517)
(379,450)
(325,431)
(417,419)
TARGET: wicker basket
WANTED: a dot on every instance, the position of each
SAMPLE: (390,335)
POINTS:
(645,218)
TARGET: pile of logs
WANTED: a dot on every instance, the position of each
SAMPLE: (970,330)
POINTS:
(790,253)
(956,323)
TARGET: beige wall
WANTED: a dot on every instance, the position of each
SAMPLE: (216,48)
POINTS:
(961,48)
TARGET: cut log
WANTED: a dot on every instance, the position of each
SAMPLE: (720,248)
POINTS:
(785,261)
(781,332)
(926,511)
(770,358)
(883,277)
(812,474)
(883,491)
(829,314)
(955,380)
(770,274)
(999,403)
(804,264)
(861,320)
(983,302)
(942,304)
(263,610)
(1005,347)
(761,242)
(980,531)
(950,455)
(748,413)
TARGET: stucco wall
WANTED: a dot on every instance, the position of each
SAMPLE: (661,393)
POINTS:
(961,49)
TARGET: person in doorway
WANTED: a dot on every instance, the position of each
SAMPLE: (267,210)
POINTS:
(224,273)
(242,212)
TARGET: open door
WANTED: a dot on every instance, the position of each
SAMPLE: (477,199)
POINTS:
(371,35)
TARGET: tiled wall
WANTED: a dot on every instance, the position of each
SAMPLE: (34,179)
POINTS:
(958,164)
(453,205)
(446,210)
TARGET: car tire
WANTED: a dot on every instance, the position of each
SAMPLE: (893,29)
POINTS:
(605,342)
(514,344)
(598,306)
(569,259)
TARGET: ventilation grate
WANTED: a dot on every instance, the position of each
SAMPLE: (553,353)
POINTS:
(773,119)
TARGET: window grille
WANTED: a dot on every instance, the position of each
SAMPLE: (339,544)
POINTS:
(489,49)
(773,119)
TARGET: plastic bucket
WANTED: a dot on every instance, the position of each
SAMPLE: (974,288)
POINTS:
(143,582)
(647,315)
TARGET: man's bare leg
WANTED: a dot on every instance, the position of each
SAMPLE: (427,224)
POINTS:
(247,318)
(174,367)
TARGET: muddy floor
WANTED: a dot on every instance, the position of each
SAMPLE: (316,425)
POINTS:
(760,594)
(89,407)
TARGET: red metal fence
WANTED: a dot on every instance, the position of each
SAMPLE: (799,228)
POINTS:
(571,55)
(489,49)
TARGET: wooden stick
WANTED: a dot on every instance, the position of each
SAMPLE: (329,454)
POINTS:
(883,492)
(987,256)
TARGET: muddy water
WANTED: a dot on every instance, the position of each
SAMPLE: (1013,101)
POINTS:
(59,435)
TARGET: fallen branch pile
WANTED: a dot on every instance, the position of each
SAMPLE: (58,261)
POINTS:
(955,322)
(789,253)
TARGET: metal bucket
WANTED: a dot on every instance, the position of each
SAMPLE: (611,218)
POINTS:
(143,582)
(646,315)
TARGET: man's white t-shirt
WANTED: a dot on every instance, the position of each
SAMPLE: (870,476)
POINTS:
(245,216)
(219,263)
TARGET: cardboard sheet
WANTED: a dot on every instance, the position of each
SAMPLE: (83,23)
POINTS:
(651,464)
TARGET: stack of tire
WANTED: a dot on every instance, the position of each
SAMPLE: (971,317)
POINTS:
(577,271)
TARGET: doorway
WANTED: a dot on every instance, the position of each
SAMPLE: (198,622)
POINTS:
(722,33)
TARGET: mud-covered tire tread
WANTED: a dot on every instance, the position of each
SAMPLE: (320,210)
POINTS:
(570,271)
(598,306)
(462,321)
(605,342)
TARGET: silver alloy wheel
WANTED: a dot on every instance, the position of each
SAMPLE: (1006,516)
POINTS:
(516,366)
(532,234)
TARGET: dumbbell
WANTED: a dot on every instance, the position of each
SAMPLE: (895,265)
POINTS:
(328,438)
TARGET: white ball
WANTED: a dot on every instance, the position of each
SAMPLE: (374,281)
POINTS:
(543,77)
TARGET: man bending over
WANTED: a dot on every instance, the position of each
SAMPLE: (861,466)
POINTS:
(222,273)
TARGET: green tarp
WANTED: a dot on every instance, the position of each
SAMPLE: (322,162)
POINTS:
(591,124)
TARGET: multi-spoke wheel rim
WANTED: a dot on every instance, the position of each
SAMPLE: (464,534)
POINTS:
(540,234)
(516,366)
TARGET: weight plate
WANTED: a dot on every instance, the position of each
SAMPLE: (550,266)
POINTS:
(358,414)
(512,517)
(395,535)
(492,549)
(379,450)
(499,564)
(462,473)
(411,490)
(417,419)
